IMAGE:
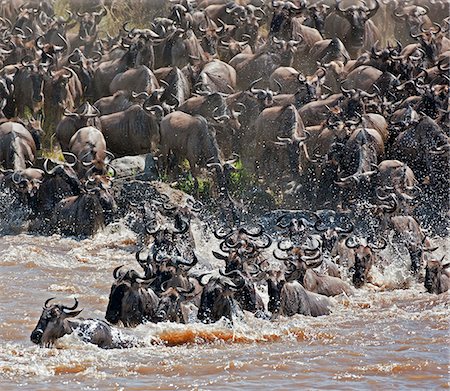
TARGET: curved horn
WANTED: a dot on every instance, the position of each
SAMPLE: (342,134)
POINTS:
(352,242)
(70,308)
(279,257)
(219,233)
(115,272)
(378,246)
(48,301)
(184,228)
(154,231)
(220,256)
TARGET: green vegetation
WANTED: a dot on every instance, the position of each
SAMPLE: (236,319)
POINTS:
(187,184)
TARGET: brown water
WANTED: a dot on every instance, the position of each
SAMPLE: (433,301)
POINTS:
(380,338)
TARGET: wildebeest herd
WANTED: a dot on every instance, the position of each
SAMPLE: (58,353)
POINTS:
(337,109)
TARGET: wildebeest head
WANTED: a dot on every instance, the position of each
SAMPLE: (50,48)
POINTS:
(215,301)
(27,181)
(300,258)
(53,323)
(100,185)
(318,13)
(331,225)
(130,300)
(35,74)
(416,251)
(88,22)
(357,16)
(209,36)
(169,307)
(57,84)
(364,257)
(284,12)
(436,276)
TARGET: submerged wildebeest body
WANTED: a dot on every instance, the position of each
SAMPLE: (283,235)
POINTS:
(131,301)
(58,320)
(290,298)
(437,276)
(217,300)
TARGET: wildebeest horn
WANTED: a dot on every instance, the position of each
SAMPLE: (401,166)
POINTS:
(414,36)
(70,74)
(156,110)
(267,244)
(309,260)
(69,114)
(280,220)
(138,257)
(65,44)
(50,172)
(184,228)
(349,91)
(181,261)
(38,42)
(71,155)
(139,95)
(279,257)
(282,248)
(233,285)
(430,249)
(253,234)
(154,231)
(220,256)
(103,12)
(352,242)
(186,292)
(67,309)
(378,246)
(124,27)
(47,301)
(315,243)
(219,233)
(253,83)
(16,178)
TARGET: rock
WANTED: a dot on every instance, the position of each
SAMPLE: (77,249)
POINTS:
(142,167)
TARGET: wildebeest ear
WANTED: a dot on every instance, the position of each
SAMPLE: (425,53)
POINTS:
(71,314)
(446,266)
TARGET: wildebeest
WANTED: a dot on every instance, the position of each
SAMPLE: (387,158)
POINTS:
(364,258)
(84,214)
(17,146)
(189,137)
(172,305)
(138,125)
(300,268)
(57,321)
(85,115)
(62,91)
(437,276)
(290,298)
(217,299)
(276,128)
(353,25)
(89,147)
(408,230)
(29,83)
(131,301)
